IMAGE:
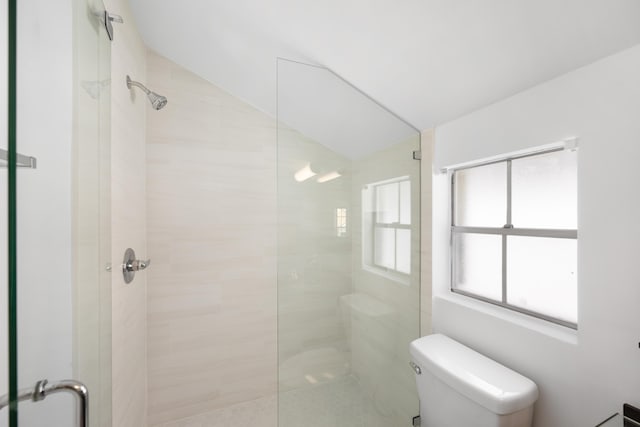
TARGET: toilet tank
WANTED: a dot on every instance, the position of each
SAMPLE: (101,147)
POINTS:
(460,387)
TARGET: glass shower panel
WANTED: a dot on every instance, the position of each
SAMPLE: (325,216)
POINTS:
(348,255)
(62,210)
(91,196)
(4,209)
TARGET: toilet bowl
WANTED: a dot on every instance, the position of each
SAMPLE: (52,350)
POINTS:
(459,387)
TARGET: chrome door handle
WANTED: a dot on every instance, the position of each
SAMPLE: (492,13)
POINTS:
(42,389)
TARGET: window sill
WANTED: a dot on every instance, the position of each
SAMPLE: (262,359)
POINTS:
(388,274)
(558,332)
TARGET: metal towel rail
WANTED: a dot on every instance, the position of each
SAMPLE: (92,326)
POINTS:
(22,161)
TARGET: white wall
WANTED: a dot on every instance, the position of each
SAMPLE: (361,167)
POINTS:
(44,206)
(585,376)
(426,221)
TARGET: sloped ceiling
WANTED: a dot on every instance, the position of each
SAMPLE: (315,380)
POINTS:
(429,61)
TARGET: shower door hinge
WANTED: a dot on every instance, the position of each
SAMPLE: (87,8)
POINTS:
(416,421)
(417,155)
(108,18)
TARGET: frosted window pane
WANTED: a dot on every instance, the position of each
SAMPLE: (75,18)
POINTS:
(544,191)
(385,247)
(481,196)
(542,275)
(403,254)
(478,266)
(405,202)
(387,203)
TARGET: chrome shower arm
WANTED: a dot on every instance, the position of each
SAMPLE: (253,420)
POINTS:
(157,101)
(137,84)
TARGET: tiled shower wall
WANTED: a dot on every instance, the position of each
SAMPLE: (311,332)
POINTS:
(129,301)
(211,217)
(212,223)
(314,264)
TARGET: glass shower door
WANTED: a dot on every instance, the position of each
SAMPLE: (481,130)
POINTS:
(348,255)
(56,176)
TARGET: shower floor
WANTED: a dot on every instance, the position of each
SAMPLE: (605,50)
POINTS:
(340,403)
(256,413)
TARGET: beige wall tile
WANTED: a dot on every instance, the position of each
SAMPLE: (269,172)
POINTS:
(128,216)
(211,215)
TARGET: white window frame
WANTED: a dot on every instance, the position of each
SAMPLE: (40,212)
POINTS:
(341,222)
(370,223)
(505,231)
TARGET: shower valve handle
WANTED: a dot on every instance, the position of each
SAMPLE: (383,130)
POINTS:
(137,265)
(131,264)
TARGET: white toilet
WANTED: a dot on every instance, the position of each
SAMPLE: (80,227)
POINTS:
(459,387)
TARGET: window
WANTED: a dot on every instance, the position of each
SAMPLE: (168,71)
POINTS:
(387,228)
(514,234)
(341,222)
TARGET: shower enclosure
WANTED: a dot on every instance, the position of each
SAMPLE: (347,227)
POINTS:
(55,213)
(348,254)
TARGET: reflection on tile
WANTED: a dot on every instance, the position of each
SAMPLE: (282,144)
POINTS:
(315,366)
(335,317)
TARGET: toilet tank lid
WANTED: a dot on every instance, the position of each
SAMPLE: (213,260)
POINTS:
(483,380)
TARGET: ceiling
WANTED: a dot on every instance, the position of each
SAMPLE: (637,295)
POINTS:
(328,110)
(428,61)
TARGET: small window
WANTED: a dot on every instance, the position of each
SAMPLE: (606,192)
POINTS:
(387,228)
(341,222)
(514,234)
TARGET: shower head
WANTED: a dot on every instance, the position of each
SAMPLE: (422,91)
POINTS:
(157,101)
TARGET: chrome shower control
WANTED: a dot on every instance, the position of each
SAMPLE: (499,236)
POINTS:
(130,265)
